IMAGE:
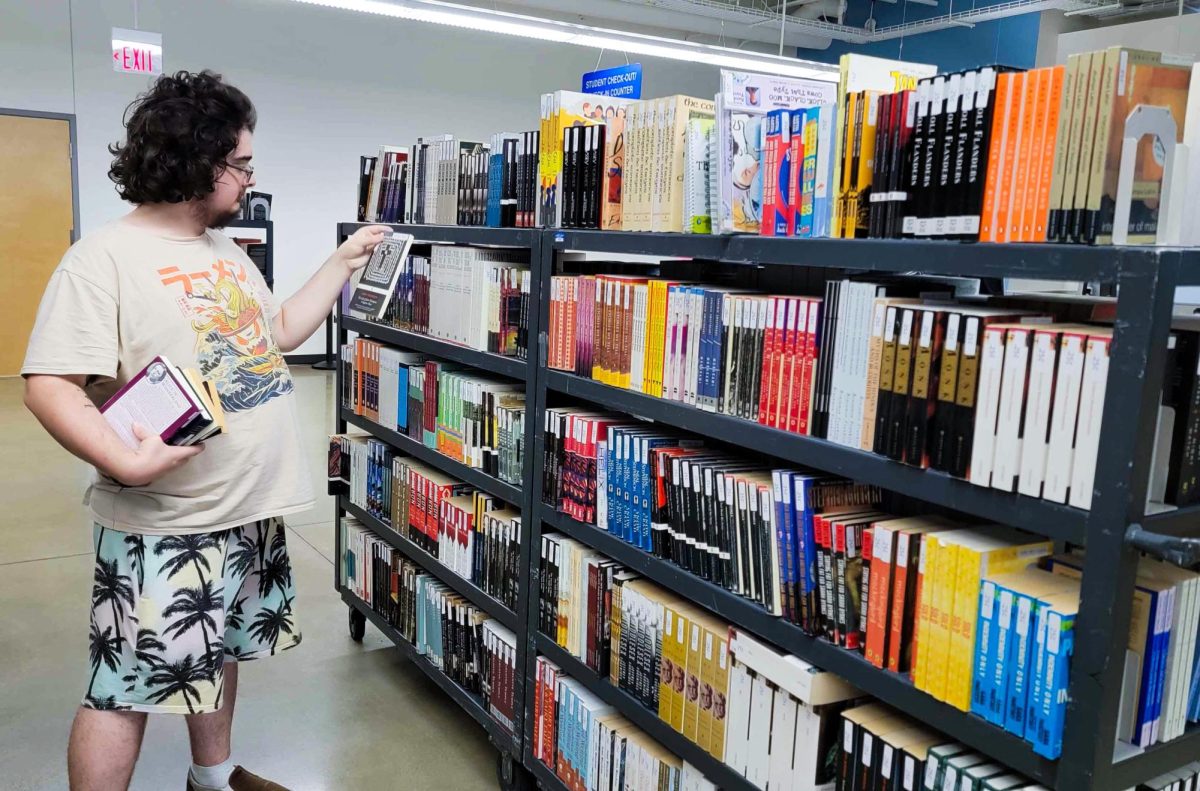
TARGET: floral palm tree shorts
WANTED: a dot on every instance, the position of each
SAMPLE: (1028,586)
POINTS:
(168,611)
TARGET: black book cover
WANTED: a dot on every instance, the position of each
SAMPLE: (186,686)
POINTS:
(887,372)
(966,391)
(1181,393)
(710,558)
(879,174)
(941,206)
(847,757)
(934,129)
(914,158)
(901,129)
(964,131)
(981,134)
(570,179)
(820,416)
(922,399)
(756,362)
(902,382)
(729,395)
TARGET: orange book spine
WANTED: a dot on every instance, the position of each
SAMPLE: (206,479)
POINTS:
(1023,155)
(556,286)
(991,187)
(1035,152)
(572,316)
(899,588)
(1041,215)
(878,607)
(1012,131)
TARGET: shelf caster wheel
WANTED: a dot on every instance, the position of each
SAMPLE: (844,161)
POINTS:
(511,776)
(358,625)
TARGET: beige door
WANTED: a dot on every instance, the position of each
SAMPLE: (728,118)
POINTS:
(36,222)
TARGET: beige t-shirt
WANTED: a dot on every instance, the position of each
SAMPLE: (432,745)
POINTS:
(124,295)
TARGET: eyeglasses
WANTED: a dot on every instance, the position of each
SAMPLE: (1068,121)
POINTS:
(247,169)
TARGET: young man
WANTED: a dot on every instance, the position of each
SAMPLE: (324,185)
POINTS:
(192,572)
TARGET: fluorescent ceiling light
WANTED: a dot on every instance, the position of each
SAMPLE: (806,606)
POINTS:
(487,21)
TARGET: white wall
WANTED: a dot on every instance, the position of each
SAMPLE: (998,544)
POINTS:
(329,86)
(1175,34)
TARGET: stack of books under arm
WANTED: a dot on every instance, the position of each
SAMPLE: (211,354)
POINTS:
(472,649)
(883,149)
(177,404)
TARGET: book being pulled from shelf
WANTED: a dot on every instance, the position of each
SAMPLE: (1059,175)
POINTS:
(474,651)
(470,532)
(475,420)
(372,286)
(177,404)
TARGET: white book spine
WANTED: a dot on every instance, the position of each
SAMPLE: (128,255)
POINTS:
(987,403)
(783,738)
(1034,444)
(1006,459)
(1091,410)
(1064,417)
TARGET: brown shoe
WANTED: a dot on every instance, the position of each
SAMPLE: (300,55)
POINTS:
(241,780)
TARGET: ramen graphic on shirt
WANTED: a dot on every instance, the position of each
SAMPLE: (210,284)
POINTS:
(234,346)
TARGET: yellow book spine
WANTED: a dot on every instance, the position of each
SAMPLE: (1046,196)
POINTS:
(707,674)
(679,646)
(962,628)
(939,617)
(691,686)
(657,332)
(716,741)
(920,673)
(667,672)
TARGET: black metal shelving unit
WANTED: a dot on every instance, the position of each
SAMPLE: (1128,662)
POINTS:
(1114,529)
(462,586)
(470,703)
(508,744)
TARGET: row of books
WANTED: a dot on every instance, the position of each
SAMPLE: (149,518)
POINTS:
(591,747)
(1001,394)
(1182,779)
(469,532)
(473,650)
(881,749)
(472,419)
(471,296)
(819,552)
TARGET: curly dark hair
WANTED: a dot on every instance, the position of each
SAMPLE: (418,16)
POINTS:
(177,136)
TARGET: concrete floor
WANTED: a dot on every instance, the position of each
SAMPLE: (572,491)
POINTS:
(330,714)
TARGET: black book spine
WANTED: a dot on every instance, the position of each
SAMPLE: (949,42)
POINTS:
(941,205)
(875,209)
(964,131)
(913,159)
(1183,479)
(934,131)
(980,143)
(820,417)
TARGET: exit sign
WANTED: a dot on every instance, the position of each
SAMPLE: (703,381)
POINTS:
(136,51)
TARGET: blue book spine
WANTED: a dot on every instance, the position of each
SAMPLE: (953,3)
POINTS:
(610,466)
(1145,708)
(627,481)
(616,509)
(1034,708)
(787,552)
(495,188)
(804,531)
(635,488)
(713,315)
(823,192)
(702,351)
(1164,645)
(1194,695)
(1060,644)
(402,399)
(998,683)
(602,483)
(1021,648)
(985,647)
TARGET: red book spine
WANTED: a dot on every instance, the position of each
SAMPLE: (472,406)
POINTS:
(811,353)
(768,360)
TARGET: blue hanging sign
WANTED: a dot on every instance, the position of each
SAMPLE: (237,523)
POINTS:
(624,81)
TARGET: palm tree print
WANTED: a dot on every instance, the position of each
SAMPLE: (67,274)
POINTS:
(174,678)
(113,588)
(276,571)
(269,623)
(196,606)
(102,650)
(243,559)
(187,549)
(136,553)
(234,619)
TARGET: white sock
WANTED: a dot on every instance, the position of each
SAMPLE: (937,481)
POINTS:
(212,778)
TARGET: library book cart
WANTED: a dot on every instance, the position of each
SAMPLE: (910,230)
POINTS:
(1114,531)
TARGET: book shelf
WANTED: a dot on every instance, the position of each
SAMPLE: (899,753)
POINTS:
(1113,530)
